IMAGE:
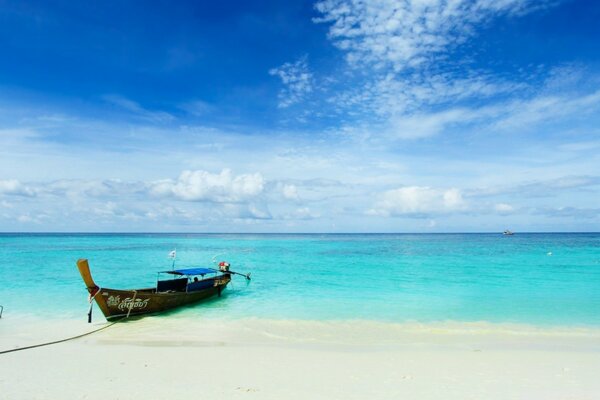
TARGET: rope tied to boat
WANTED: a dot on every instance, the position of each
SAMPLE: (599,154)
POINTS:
(95,292)
(58,341)
(131,303)
(91,298)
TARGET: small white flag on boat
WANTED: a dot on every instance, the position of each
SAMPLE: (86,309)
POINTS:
(173,254)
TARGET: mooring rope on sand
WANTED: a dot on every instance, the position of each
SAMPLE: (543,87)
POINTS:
(59,341)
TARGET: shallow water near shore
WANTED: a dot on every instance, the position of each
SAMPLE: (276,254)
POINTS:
(534,279)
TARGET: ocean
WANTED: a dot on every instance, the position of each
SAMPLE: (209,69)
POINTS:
(529,278)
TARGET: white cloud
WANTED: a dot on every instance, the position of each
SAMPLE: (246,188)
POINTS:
(108,209)
(541,188)
(503,208)
(424,125)
(198,108)
(522,115)
(136,109)
(38,218)
(452,200)
(204,186)
(302,213)
(14,187)
(169,212)
(246,211)
(297,80)
(405,34)
(26,219)
(258,211)
(583,146)
(388,95)
(588,214)
(544,108)
(407,82)
(330,179)
(290,192)
(418,201)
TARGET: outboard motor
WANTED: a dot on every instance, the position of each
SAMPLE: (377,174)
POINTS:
(224,266)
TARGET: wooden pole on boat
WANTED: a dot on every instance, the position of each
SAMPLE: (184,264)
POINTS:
(84,270)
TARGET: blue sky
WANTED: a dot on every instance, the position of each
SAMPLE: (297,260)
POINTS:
(328,116)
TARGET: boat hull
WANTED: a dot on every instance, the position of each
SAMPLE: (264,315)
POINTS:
(117,304)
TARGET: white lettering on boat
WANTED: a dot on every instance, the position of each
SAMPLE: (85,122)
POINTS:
(113,301)
(127,303)
(130,303)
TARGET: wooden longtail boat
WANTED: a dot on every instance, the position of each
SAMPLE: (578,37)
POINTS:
(168,293)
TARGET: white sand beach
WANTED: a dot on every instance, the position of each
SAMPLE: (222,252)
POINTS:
(180,358)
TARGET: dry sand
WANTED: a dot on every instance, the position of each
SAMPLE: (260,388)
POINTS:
(178,358)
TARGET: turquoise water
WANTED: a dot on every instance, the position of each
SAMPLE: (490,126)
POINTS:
(397,278)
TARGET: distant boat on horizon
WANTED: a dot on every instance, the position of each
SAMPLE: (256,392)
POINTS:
(508,233)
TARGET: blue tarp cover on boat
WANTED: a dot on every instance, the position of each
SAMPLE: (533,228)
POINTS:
(192,271)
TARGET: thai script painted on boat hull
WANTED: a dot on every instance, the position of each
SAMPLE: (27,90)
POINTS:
(127,303)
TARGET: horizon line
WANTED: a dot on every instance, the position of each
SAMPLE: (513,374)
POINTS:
(276,233)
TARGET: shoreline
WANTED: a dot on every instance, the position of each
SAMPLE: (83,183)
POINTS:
(353,331)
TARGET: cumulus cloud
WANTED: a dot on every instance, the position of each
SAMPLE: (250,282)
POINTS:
(418,201)
(297,80)
(204,186)
(195,197)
